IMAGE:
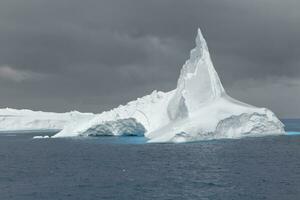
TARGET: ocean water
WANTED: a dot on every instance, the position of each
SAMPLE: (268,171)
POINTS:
(127,168)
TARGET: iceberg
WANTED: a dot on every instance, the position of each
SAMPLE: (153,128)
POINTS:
(23,121)
(198,109)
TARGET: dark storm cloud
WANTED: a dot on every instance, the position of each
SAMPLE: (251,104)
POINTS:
(92,55)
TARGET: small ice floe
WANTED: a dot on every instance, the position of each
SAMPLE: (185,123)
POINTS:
(41,137)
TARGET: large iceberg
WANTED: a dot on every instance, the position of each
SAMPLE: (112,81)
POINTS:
(198,109)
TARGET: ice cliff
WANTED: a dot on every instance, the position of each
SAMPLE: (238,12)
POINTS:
(198,109)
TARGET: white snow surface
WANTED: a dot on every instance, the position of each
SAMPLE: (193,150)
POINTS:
(27,120)
(198,109)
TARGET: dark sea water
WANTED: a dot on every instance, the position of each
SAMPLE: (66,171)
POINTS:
(127,168)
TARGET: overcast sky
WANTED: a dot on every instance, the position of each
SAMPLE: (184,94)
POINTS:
(92,55)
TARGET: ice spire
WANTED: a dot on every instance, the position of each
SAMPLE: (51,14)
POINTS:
(198,82)
(201,46)
(200,41)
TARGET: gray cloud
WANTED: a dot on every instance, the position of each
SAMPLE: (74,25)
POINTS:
(94,55)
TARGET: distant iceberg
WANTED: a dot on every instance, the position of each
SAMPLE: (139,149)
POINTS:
(198,109)
(22,121)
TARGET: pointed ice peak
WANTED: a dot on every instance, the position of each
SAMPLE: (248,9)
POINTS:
(198,83)
(201,46)
(200,41)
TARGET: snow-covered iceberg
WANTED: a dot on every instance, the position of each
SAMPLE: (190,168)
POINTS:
(13,120)
(197,109)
